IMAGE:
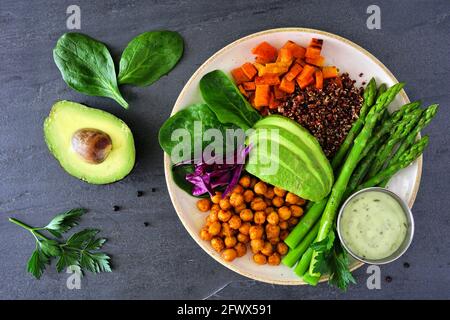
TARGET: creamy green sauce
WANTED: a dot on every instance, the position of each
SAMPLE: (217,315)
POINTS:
(373,225)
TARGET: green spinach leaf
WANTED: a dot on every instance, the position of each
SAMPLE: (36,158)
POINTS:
(86,66)
(149,56)
(225,100)
(185,119)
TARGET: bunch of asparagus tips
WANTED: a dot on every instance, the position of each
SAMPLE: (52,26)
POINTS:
(378,145)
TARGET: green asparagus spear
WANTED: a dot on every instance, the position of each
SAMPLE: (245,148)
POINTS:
(303,264)
(403,161)
(338,190)
(401,130)
(362,169)
(305,224)
(387,126)
(427,115)
(369,97)
(294,254)
(381,89)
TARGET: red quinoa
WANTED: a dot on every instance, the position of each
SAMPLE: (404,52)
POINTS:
(328,113)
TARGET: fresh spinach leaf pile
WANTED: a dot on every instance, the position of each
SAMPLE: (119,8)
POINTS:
(225,108)
(87,66)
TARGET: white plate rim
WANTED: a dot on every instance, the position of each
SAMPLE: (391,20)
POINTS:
(177,107)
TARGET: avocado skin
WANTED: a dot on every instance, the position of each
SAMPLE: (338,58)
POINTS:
(65,118)
(303,168)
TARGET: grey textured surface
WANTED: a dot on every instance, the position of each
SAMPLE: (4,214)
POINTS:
(161,260)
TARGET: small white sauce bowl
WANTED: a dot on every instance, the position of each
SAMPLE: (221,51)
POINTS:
(409,232)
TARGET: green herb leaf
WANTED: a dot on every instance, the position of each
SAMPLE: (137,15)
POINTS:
(332,259)
(95,262)
(77,252)
(50,248)
(81,239)
(36,263)
(64,221)
(149,56)
(68,257)
(86,66)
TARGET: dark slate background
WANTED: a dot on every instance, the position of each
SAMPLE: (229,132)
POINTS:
(161,260)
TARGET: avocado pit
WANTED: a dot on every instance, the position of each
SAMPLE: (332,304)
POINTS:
(92,145)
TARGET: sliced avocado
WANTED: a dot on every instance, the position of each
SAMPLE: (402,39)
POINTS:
(288,156)
(90,144)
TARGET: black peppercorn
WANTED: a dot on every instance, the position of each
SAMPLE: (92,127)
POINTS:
(116,208)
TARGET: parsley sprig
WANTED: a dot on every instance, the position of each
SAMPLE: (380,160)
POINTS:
(80,249)
(332,259)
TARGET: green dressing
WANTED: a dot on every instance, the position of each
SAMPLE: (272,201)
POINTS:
(373,225)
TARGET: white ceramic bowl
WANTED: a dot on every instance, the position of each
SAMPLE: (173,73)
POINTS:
(348,57)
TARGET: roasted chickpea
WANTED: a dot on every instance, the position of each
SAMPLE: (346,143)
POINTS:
(248,196)
(224,204)
(284,213)
(272,231)
(258,204)
(207,221)
(259,258)
(229,254)
(245,181)
(259,217)
(236,199)
(256,245)
(297,211)
(292,222)
(260,188)
(213,216)
(217,197)
(277,201)
(268,202)
(279,192)
(238,209)
(244,238)
(269,210)
(273,218)
(256,232)
(245,228)
(246,215)
(274,241)
(283,225)
(269,194)
(205,235)
(235,222)
(224,215)
(274,259)
(241,249)
(253,182)
(217,244)
(214,228)
(282,248)
(292,198)
(204,205)
(284,234)
(230,242)
(226,230)
(238,189)
(215,207)
(267,250)
(301,201)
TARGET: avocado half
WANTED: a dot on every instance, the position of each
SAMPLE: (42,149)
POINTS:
(66,118)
